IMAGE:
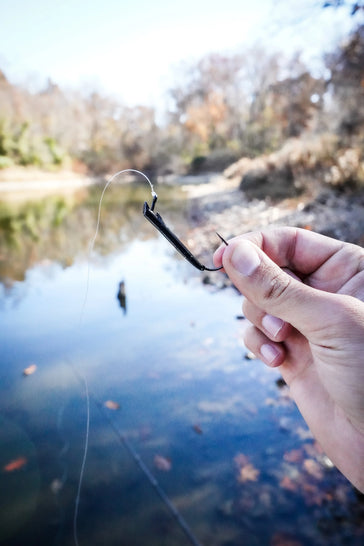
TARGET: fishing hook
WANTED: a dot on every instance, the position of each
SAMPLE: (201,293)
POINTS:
(156,219)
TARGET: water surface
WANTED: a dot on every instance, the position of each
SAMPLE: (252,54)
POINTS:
(219,433)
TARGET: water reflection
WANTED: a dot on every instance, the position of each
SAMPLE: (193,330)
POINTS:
(239,463)
(121,296)
(60,228)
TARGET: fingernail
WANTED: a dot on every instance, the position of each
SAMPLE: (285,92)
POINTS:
(272,325)
(269,353)
(245,258)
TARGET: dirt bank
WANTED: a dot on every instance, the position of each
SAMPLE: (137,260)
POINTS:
(331,212)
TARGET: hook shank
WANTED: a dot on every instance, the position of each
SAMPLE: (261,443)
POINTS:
(158,222)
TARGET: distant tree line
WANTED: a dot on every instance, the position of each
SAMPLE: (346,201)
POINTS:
(220,108)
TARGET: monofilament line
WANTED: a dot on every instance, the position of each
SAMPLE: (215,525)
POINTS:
(82,471)
(83,377)
(93,240)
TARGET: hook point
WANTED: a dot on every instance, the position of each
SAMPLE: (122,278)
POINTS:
(222,239)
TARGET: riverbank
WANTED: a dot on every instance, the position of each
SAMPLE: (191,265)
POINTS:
(335,213)
(28,183)
(217,204)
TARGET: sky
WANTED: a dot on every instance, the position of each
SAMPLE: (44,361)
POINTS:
(129,49)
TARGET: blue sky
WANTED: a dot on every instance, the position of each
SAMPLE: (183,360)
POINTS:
(127,48)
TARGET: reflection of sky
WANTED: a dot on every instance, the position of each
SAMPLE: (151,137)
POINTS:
(173,361)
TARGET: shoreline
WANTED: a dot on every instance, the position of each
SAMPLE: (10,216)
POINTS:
(216,204)
(331,212)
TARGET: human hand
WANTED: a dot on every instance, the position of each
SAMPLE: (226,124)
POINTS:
(304,296)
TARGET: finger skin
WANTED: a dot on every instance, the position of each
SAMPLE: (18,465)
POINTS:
(318,345)
(272,354)
(261,280)
(274,328)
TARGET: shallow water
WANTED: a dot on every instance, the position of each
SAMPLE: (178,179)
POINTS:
(223,440)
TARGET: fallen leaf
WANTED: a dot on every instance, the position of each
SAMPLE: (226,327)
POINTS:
(112,405)
(293,456)
(162,463)
(197,429)
(313,468)
(15,464)
(30,369)
(287,483)
(248,473)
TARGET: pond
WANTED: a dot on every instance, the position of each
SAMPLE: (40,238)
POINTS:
(190,441)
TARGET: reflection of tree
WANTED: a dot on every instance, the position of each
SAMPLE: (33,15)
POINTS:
(60,230)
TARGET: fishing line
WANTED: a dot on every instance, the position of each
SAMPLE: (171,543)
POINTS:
(93,240)
(83,464)
(120,436)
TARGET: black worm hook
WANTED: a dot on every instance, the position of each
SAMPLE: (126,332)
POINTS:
(158,222)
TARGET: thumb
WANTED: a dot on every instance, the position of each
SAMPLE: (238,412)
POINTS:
(274,291)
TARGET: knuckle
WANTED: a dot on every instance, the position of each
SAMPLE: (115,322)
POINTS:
(277,287)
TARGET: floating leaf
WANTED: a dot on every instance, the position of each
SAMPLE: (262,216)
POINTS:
(15,464)
(197,429)
(112,405)
(293,456)
(162,463)
(287,483)
(313,468)
(30,369)
(248,473)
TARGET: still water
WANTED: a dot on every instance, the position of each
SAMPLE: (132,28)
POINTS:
(227,458)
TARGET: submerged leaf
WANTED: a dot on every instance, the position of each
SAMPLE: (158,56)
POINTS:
(293,456)
(30,369)
(15,464)
(197,429)
(248,473)
(313,468)
(112,405)
(162,463)
(289,484)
